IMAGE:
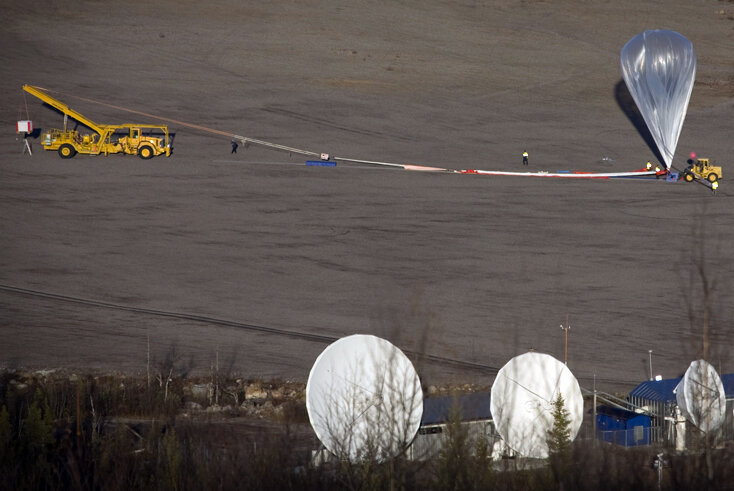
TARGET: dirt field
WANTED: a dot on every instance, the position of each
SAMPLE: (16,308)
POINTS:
(102,256)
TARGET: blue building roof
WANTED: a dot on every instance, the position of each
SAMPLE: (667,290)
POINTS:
(656,390)
(728,381)
(473,407)
(662,390)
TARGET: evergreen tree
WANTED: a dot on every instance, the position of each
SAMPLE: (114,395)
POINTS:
(559,442)
(7,440)
(559,436)
(36,441)
(454,457)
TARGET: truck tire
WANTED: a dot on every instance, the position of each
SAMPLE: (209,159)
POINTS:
(712,177)
(66,151)
(146,152)
(688,177)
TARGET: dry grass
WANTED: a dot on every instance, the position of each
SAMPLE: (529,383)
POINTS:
(114,432)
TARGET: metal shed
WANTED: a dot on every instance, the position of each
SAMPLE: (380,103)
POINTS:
(474,415)
(622,427)
(657,397)
(727,429)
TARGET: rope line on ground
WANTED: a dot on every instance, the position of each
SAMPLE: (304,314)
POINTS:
(244,139)
(411,167)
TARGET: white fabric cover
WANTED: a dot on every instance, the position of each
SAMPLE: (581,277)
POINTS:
(364,399)
(700,396)
(522,402)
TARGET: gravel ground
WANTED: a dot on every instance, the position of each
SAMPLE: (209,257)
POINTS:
(259,260)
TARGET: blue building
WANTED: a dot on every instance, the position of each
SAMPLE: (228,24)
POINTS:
(656,397)
(623,427)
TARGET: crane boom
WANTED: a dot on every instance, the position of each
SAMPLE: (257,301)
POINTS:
(57,104)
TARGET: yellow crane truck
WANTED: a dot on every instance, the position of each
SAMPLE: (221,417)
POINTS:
(702,169)
(133,139)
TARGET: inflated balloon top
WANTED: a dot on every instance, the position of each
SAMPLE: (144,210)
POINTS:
(659,68)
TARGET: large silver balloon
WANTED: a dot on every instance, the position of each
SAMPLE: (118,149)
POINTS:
(659,68)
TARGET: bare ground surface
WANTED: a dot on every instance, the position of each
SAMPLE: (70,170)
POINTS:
(102,256)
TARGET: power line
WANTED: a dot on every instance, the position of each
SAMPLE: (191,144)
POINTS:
(169,314)
(318,338)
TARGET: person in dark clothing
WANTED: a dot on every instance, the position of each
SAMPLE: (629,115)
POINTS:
(234,146)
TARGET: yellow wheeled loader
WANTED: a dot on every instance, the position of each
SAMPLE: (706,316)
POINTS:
(702,169)
(134,139)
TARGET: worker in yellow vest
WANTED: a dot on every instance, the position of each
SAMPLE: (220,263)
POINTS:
(525,158)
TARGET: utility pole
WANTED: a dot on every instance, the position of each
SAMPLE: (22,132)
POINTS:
(649,352)
(594,423)
(565,349)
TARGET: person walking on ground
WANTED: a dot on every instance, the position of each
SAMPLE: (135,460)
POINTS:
(525,158)
(234,146)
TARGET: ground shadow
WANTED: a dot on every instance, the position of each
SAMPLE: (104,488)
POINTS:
(34,134)
(629,108)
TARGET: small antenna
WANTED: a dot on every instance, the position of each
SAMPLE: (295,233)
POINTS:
(650,353)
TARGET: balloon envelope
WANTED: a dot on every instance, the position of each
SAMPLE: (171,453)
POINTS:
(659,68)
